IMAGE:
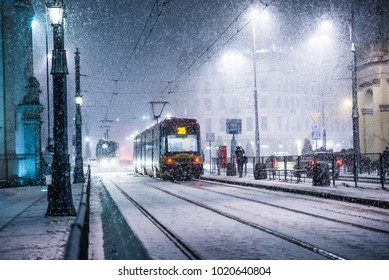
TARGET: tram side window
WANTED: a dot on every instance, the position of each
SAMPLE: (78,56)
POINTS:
(162,145)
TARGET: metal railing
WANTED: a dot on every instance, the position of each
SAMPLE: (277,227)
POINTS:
(77,247)
(372,168)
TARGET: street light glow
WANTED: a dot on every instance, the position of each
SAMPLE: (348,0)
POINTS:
(325,26)
(79,100)
(56,13)
(254,12)
(34,23)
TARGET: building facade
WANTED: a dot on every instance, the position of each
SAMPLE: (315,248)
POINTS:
(373,98)
(20,109)
(288,94)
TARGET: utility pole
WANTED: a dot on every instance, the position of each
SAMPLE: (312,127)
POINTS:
(355,113)
(257,139)
(78,174)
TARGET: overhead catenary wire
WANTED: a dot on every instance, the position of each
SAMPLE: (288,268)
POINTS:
(207,49)
(169,86)
(138,40)
(155,5)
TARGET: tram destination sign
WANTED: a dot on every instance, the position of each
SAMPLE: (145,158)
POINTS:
(233,126)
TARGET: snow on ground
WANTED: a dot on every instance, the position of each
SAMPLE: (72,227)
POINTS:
(218,230)
(25,232)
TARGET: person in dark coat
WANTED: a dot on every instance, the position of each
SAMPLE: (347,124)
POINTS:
(240,159)
(385,157)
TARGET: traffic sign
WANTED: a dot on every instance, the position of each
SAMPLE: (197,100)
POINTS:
(315,116)
(233,126)
(210,137)
(316,135)
(315,126)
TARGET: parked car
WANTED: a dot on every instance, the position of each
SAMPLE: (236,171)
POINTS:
(278,162)
(326,158)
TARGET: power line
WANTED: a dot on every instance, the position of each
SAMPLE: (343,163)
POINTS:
(143,31)
(138,41)
(165,2)
(206,51)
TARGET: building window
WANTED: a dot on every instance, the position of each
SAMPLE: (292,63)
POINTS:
(207,87)
(222,103)
(249,124)
(292,106)
(264,123)
(263,102)
(369,99)
(221,87)
(208,104)
(279,101)
(222,125)
(208,125)
(263,85)
(235,105)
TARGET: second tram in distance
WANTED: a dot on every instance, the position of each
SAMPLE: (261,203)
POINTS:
(169,150)
(107,153)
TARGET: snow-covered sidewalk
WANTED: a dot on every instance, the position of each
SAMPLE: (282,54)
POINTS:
(25,232)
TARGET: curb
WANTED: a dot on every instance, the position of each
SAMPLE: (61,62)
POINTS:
(317,193)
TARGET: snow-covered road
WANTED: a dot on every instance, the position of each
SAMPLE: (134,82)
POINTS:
(219,221)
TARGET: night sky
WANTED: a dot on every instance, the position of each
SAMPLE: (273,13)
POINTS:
(131,50)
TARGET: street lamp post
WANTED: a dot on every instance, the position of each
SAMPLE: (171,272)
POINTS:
(59,193)
(78,173)
(355,113)
(257,143)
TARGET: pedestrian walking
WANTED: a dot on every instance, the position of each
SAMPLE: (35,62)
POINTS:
(240,159)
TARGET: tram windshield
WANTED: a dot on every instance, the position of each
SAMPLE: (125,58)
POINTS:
(182,143)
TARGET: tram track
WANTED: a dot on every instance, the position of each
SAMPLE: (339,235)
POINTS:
(185,248)
(320,251)
(291,209)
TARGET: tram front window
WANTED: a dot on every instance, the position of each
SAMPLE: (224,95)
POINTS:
(182,143)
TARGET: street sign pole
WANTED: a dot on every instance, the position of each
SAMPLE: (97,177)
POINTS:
(210,156)
(315,127)
(210,137)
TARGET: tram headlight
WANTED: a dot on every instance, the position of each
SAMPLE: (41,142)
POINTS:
(104,162)
(169,160)
(197,160)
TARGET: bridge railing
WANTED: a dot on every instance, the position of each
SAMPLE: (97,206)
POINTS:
(77,247)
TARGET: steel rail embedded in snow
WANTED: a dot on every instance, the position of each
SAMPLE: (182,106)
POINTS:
(184,248)
(288,238)
(289,209)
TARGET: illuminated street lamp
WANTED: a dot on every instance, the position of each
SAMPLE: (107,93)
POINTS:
(355,110)
(59,193)
(78,174)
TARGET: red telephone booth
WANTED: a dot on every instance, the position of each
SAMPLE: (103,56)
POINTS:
(223,156)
